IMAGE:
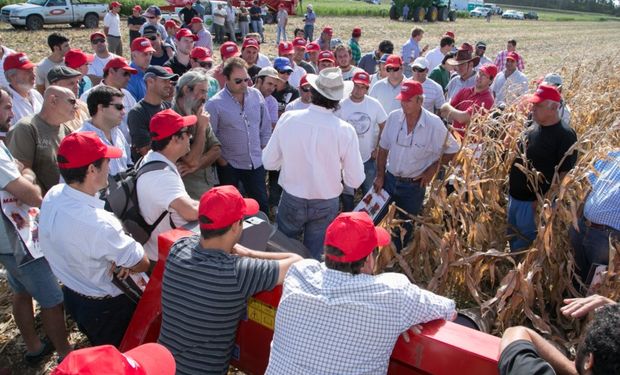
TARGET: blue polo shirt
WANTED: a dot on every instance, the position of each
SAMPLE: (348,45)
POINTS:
(136,85)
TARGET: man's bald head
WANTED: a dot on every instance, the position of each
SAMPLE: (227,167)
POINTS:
(59,104)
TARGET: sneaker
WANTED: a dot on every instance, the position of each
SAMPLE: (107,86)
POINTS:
(46,349)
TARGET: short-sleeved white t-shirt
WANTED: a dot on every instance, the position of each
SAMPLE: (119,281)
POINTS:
(365,117)
(113,23)
(96,67)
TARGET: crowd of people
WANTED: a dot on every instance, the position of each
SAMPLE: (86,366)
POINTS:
(299,136)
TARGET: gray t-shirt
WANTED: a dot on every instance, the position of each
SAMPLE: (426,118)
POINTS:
(43,68)
(8,173)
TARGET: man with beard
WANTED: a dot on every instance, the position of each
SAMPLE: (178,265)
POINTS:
(180,61)
(197,168)
(159,85)
(35,139)
(141,54)
(201,60)
(481,48)
(343,59)
(19,72)
(102,56)
(240,121)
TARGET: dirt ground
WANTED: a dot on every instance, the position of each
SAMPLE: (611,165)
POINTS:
(546,47)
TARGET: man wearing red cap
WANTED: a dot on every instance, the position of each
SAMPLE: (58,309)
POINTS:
(82,242)
(227,50)
(19,72)
(187,13)
(436,55)
(325,39)
(354,315)
(305,96)
(368,117)
(414,145)
(78,60)
(286,49)
(281,22)
(135,22)
(471,100)
(102,55)
(249,53)
(199,324)
(545,145)
(326,60)
(510,84)
(204,36)
(299,51)
(354,44)
(141,55)
(386,90)
(112,28)
(313,50)
(263,61)
(344,61)
(180,61)
(500,60)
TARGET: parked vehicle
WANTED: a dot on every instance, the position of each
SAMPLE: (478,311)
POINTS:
(480,12)
(420,10)
(531,16)
(513,15)
(33,14)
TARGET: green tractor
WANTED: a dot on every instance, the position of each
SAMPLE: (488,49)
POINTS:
(420,10)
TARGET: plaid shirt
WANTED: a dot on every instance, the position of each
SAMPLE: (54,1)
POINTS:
(603,203)
(500,61)
(356,52)
(332,322)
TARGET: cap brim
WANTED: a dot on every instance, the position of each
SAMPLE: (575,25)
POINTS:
(359,82)
(251,207)
(28,65)
(113,152)
(535,99)
(90,57)
(383,236)
(392,65)
(130,69)
(189,120)
(154,358)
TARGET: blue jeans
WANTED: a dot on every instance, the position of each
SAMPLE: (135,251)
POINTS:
(522,223)
(348,193)
(35,278)
(257,27)
(590,246)
(307,217)
(309,32)
(280,33)
(410,197)
(253,181)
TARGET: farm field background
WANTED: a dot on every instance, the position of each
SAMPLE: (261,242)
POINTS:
(583,52)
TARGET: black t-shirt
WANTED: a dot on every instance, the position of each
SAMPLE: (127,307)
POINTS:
(138,120)
(131,20)
(255,13)
(307,67)
(285,96)
(163,59)
(187,14)
(521,357)
(545,147)
(177,67)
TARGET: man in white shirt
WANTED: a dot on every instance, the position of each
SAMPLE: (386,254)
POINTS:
(368,117)
(112,28)
(356,316)
(314,151)
(105,105)
(510,84)
(19,72)
(343,56)
(162,191)
(435,56)
(101,58)
(84,243)
(59,44)
(386,90)
(305,96)
(414,144)
(433,93)
(4,52)
(464,64)
(481,48)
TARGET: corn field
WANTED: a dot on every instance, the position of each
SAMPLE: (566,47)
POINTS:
(460,241)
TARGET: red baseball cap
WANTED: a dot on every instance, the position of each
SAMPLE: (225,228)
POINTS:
(119,62)
(196,20)
(361,78)
(82,148)
(167,122)
(355,235)
(285,48)
(138,8)
(171,23)
(250,43)
(115,4)
(304,80)
(17,61)
(513,56)
(201,54)
(408,89)
(489,69)
(96,35)
(185,33)
(545,92)
(142,45)
(393,61)
(327,55)
(450,34)
(357,31)
(228,50)
(222,206)
(299,43)
(146,359)
(75,58)
(313,47)
(328,30)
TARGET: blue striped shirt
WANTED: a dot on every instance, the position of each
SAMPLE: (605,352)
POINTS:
(204,295)
(603,203)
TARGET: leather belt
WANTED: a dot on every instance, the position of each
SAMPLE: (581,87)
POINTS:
(409,180)
(597,226)
(88,297)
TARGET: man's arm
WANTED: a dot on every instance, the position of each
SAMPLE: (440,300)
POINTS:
(429,172)
(24,189)
(561,364)
(186,207)
(285,260)
(452,114)
(382,155)
(192,159)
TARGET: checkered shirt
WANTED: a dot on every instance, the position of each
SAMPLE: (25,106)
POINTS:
(500,61)
(603,203)
(332,322)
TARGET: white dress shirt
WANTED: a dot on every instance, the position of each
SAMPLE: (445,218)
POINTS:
(509,90)
(80,241)
(386,94)
(409,154)
(296,75)
(23,107)
(434,58)
(314,151)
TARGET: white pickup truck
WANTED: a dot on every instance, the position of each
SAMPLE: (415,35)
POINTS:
(33,14)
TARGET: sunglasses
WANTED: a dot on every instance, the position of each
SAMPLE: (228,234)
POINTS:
(152,38)
(206,65)
(418,70)
(97,41)
(390,69)
(240,80)
(305,88)
(119,107)
(149,17)
(284,72)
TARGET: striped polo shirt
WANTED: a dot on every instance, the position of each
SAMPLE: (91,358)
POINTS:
(204,295)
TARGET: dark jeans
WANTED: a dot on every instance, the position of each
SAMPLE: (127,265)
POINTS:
(103,321)
(253,181)
(348,193)
(218,30)
(308,32)
(410,197)
(590,246)
(275,190)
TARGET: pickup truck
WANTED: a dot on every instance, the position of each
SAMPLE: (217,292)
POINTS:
(33,14)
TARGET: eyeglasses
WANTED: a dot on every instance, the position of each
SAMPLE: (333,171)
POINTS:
(97,41)
(284,72)
(240,80)
(390,69)
(418,70)
(305,88)
(119,107)
(206,65)
(403,131)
